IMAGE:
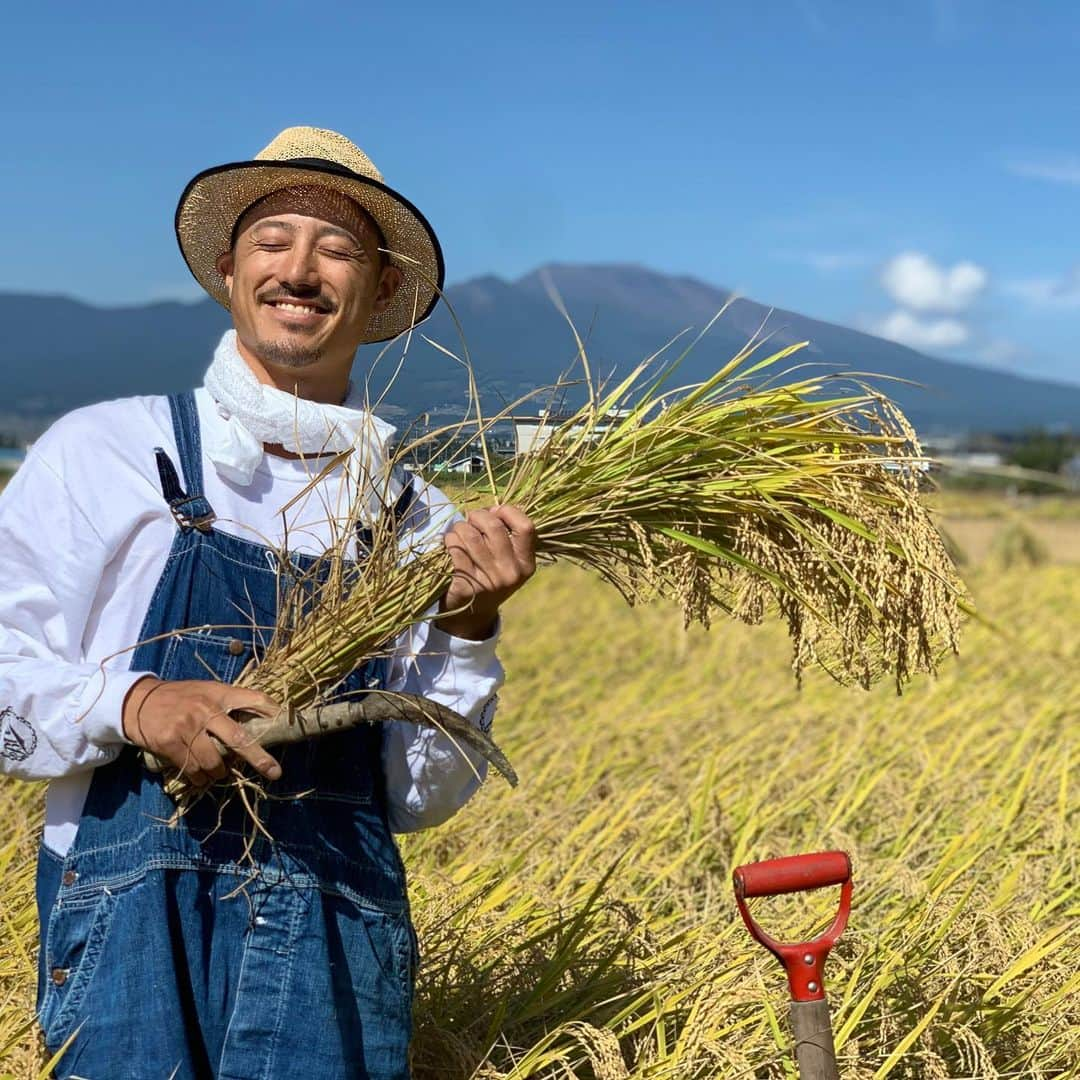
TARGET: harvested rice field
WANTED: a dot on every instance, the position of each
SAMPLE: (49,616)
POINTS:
(583,925)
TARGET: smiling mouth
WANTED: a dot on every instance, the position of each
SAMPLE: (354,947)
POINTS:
(296,307)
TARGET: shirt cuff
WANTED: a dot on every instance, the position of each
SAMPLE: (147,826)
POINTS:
(101,707)
(478,653)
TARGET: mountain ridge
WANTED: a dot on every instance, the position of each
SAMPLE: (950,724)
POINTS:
(63,352)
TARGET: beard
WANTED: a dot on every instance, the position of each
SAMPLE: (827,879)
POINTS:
(289,351)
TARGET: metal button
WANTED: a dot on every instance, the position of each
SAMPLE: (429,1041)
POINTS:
(70,877)
(59,976)
(236,646)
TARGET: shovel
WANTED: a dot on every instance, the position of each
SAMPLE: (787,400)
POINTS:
(804,963)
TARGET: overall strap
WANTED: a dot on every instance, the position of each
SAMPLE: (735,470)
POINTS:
(189,506)
(399,514)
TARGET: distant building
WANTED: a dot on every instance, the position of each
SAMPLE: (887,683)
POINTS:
(920,465)
(973,459)
(531,433)
(470,466)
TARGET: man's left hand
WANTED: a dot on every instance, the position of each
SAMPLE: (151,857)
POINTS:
(494,554)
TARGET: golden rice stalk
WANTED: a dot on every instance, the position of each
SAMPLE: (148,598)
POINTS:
(739,494)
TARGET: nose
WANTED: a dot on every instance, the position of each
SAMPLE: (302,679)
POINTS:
(300,268)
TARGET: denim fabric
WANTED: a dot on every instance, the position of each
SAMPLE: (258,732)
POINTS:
(46,885)
(164,950)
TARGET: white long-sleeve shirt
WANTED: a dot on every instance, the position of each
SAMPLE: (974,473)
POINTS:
(84,536)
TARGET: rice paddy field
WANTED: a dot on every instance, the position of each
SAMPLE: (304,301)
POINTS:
(583,925)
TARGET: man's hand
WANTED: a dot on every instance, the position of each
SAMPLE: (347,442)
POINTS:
(494,554)
(176,719)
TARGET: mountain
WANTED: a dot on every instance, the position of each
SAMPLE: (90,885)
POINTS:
(60,353)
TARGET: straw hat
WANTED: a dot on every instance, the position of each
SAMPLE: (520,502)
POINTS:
(213,202)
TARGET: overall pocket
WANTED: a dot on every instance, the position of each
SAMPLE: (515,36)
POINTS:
(73,944)
(343,767)
(383,957)
(206,654)
(414,954)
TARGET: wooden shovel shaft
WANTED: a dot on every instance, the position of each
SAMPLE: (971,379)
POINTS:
(812,1027)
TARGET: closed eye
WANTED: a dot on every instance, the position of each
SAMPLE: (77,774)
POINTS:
(341,253)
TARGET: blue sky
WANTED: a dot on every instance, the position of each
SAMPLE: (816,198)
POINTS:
(912,169)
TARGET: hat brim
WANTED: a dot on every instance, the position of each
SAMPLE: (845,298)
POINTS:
(213,201)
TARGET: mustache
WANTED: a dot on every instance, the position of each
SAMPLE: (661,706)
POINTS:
(320,302)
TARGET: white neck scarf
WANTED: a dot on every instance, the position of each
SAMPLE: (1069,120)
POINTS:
(253,414)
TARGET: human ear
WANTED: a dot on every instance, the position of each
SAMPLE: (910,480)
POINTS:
(225,265)
(389,283)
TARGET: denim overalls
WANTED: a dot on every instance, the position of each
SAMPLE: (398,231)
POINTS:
(159,946)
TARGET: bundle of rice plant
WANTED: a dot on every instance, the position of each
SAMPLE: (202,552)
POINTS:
(751,493)
(735,495)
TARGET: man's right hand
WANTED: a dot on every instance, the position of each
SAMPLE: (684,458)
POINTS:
(174,720)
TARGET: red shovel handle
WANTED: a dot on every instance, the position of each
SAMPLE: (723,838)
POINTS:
(795,873)
(804,962)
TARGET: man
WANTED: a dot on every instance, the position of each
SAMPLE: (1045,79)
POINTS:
(164,952)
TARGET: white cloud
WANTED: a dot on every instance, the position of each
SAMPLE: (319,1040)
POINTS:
(1048,292)
(918,283)
(1064,169)
(908,329)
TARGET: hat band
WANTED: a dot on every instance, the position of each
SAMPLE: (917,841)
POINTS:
(323,164)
